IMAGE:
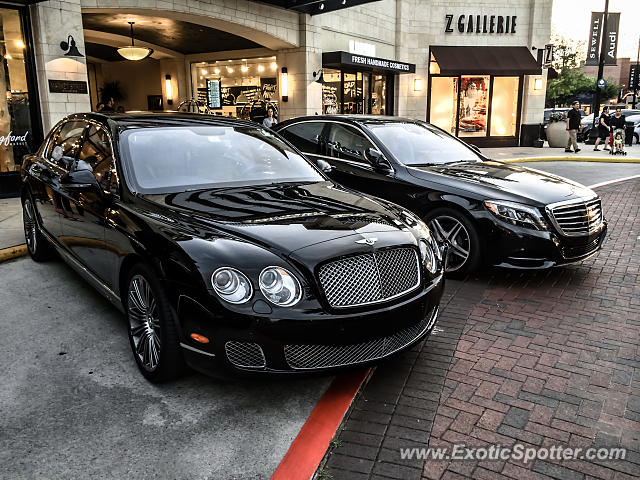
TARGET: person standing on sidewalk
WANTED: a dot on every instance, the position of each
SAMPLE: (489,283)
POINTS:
(573,124)
(604,128)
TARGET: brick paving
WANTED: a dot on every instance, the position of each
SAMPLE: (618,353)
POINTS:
(537,358)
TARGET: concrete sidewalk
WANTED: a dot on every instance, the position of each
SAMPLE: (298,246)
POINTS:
(11,231)
(586,151)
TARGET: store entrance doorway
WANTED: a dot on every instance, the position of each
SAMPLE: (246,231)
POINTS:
(353,92)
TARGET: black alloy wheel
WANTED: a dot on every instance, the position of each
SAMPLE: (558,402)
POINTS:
(152,331)
(454,229)
(38,246)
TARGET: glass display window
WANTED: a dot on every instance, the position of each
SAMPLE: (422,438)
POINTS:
(355,92)
(504,106)
(17,136)
(444,98)
(474,97)
(331,91)
(241,88)
(476,106)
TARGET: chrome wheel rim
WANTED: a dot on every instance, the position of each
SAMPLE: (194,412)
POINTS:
(454,233)
(30,228)
(144,322)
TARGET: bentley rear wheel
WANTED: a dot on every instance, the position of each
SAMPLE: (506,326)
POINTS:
(38,246)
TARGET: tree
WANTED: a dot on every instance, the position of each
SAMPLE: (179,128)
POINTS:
(571,83)
(567,53)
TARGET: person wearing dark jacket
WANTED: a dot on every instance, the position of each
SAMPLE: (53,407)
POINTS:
(618,120)
(604,128)
(573,124)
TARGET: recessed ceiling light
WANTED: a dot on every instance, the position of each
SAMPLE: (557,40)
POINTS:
(261,68)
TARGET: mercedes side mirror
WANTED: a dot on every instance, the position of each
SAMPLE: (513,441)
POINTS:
(324,166)
(474,148)
(378,160)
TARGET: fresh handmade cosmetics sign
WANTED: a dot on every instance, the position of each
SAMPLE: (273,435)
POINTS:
(498,24)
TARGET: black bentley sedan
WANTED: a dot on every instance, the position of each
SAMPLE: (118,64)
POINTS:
(225,247)
(489,212)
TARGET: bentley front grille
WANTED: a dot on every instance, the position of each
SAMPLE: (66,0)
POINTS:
(245,354)
(371,277)
(305,357)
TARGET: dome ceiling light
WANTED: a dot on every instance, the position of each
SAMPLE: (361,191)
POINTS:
(133,53)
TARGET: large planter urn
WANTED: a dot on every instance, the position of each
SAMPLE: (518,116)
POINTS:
(557,134)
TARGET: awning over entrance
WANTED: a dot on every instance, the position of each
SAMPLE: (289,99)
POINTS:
(315,7)
(485,61)
(361,62)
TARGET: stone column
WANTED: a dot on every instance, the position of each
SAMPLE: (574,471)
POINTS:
(305,95)
(52,22)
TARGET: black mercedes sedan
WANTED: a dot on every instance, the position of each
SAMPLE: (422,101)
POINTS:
(489,212)
(226,248)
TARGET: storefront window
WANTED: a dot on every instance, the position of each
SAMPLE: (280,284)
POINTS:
(350,94)
(355,92)
(474,95)
(246,86)
(504,106)
(444,97)
(331,92)
(16,132)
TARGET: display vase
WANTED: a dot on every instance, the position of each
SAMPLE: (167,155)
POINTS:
(557,134)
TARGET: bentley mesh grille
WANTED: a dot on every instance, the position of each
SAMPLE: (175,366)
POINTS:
(301,357)
(578,218)
(245,354)
(370,277)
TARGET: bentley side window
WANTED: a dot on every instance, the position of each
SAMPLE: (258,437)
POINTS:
(305,136)
(347,143)
(65,144)
(96,156)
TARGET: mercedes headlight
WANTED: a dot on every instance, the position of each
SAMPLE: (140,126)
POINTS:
(231,285)
(517,214)
(280,286)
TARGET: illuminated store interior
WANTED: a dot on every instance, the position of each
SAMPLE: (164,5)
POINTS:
(237,88)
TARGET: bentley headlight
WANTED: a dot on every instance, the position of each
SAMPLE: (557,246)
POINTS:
(231,285)
(280,286)
(517,214)
(428,256)
(417,224)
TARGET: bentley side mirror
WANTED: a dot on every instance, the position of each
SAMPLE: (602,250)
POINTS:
(80,181)
(378,160)
(324,166)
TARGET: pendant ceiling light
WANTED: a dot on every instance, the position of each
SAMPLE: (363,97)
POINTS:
(131,52)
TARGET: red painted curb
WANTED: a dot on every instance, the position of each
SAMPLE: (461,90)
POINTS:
(308,448)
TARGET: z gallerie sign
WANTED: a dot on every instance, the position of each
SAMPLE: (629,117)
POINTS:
(498,24)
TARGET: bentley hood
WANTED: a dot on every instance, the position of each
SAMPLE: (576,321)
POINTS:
(286,216)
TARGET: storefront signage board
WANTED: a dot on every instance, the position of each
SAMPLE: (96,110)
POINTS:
(595,32)
(492,24)
(634,76)
(342,59)
(214,94)
(67,86)
(611,39)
